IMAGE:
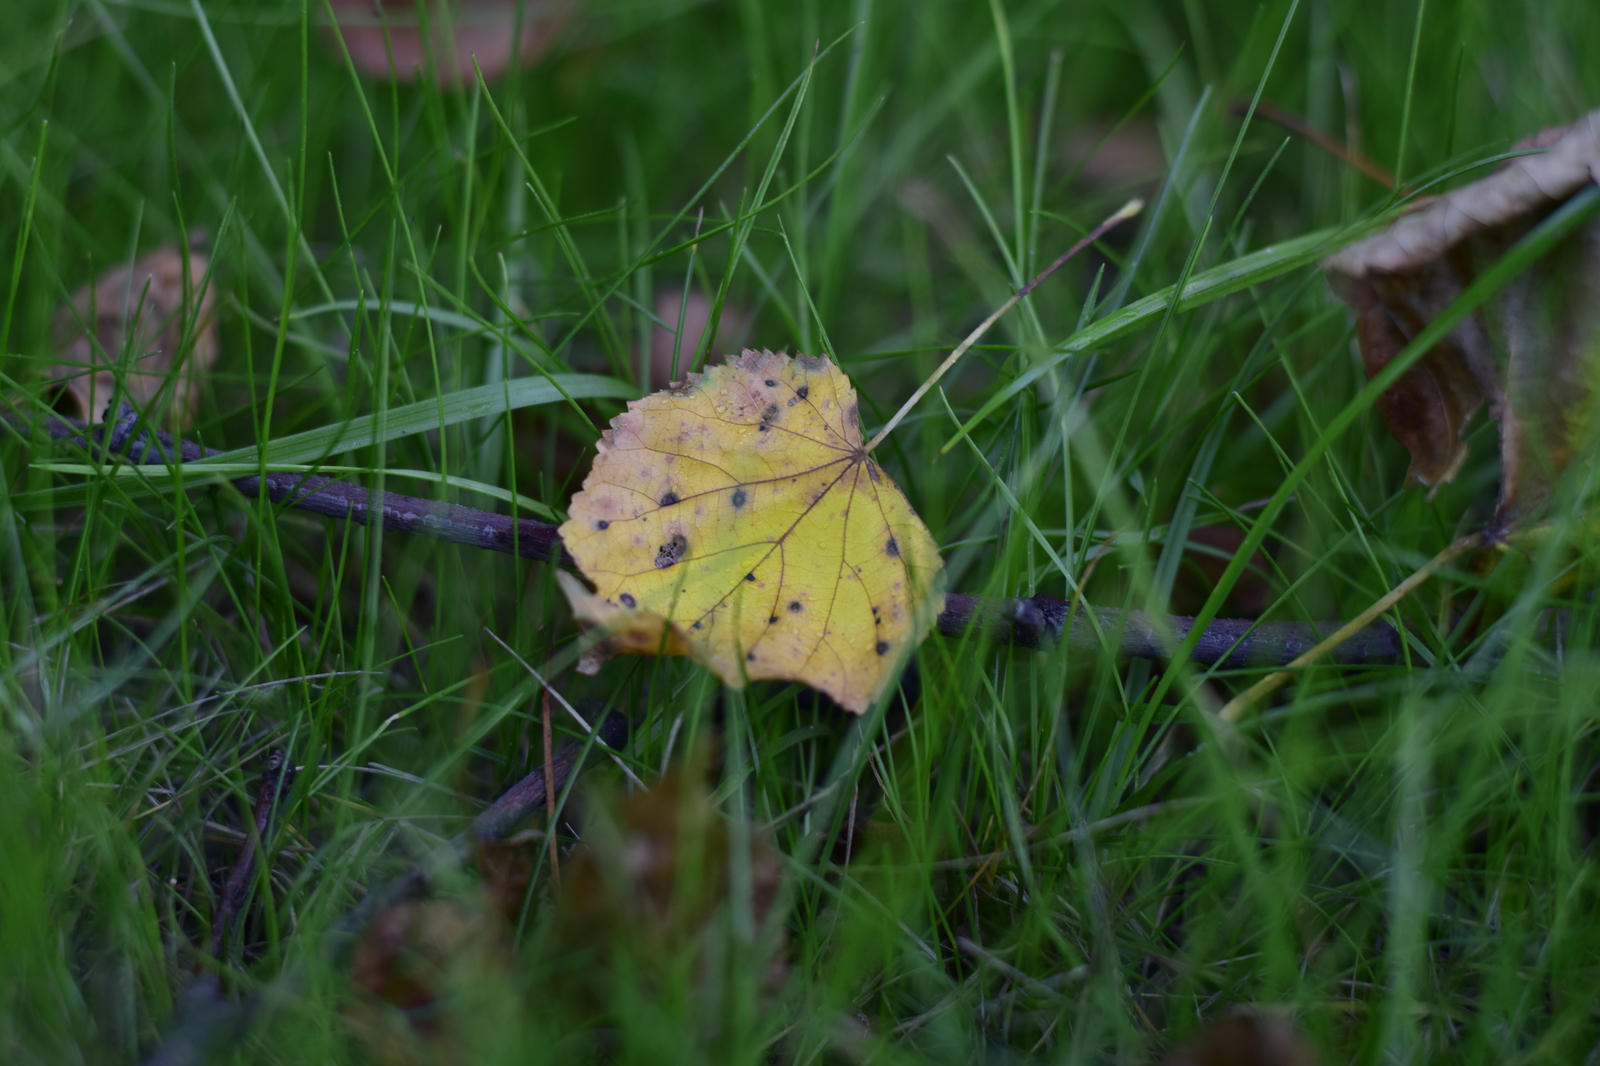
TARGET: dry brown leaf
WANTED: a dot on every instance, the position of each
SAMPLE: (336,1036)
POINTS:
(458,32)
(644,899)
(650,881)
(507,867)
(141,312)
(696,317)
(1529,353)
(1115,156)
(412,957)
(1246,1039)
(408,953)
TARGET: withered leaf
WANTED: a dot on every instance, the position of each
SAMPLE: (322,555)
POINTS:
(412,960)
(696,313)
(142,311)
(644,899)
(1246,1039)
(457,33)
(1530,352)
(651,879)
(409,954)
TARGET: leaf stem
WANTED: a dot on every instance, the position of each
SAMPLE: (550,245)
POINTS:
(1127,211)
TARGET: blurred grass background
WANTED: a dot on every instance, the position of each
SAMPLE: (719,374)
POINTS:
(1040,859)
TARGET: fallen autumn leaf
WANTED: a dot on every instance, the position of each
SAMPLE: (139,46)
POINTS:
(1529,353)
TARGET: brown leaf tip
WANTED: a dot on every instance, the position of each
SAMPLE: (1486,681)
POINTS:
(1532,370)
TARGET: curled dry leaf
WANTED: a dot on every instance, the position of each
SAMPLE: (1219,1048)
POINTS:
(164,324)
(650,883)
(408,953)
(507,867)
(738,518)
(412,959)
(1246,1039)
(1115,155)
(422,965)
(645,900)
(1530,353)
(457,32)
(696,317)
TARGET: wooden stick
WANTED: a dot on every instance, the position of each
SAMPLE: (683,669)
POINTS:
(550,775)
(1282,116)
(536,791)
(1032,622)
(1235,708)
(274,785)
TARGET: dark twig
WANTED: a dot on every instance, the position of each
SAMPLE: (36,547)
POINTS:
(325,495)
(274,784)
(1282,116)
(1036,622)
(1043,622)
(207,1021)
(545,728)
(522,800)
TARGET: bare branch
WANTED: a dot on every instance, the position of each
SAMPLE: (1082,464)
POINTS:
(275,783)
(1035,622)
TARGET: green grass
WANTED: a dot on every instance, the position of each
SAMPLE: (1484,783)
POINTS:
(1401,857)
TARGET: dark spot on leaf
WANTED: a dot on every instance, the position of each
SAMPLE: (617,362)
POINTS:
(672,551)
(749,656)
(769,416)
(770,383)
(628,600)
(772,619)
(794,605)
(853,415)
(883,647)
(602,524)
(893,548)
(749,577)
(695,626)
(803,391)
(669,499)
(738,497)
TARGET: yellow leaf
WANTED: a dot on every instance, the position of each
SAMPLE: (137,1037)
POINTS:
(737,518)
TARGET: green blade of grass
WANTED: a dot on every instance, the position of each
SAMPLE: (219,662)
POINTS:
(1258,267)
(403,421)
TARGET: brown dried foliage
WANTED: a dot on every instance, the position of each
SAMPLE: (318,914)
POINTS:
(457,33)
(148,312)
(413,960)
(1246,1039)
(639,898)
(1530,352)
(653,880)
